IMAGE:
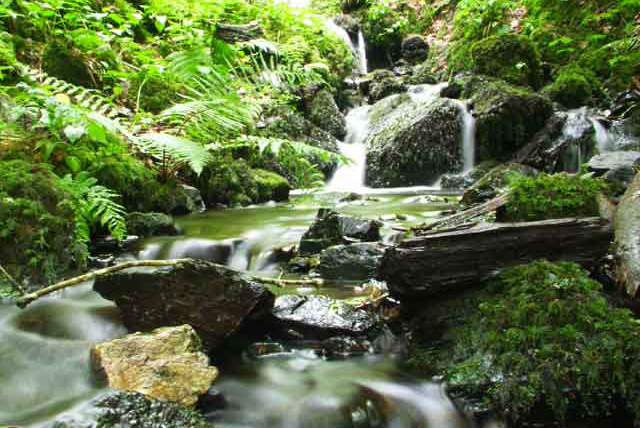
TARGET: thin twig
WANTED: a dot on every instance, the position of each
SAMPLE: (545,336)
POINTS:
(13,282)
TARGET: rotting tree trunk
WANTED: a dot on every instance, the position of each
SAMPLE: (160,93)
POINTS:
(238,33)
(454,260)
(627,239)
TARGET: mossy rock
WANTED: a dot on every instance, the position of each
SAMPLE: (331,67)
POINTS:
(150,224)
(324,113)
(509,57)
(532,342)
(574,87)
(36,223)
(270,186)
(549,196)
(615,67)
(65,63)
(507,116)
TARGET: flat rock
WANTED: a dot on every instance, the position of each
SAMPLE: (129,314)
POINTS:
(600,164)
(167,363)
(350,262)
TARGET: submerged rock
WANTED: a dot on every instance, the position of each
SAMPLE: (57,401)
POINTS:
(331,228)
(414,146)
(167,363)
(320,316)
(216,301)
(150,224)
(324,113)
(350,262)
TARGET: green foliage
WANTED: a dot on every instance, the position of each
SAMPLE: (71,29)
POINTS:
(550,336)
(552,196)
(509,57)
(153,91)
(36,232)
(95,206)
(574,87)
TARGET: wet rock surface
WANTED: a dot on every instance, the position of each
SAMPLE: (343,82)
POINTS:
(320,316)
(555,147)
(350,262)
(331,228)
(215,301)
(135,410)
(608,161)
(415,145)
(495,182)
(167,363)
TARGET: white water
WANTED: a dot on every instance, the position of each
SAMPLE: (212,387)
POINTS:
(603,136)
(362,54)
(468,137)
(350,177)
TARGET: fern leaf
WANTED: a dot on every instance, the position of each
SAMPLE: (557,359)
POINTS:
(178,148)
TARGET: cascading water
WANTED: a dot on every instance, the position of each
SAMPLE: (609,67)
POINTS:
(603,136)
(350,177)
(362,54)
(468,137)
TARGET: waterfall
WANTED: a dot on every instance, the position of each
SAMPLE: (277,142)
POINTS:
(603,137)
(362,54)
(468,137)
(350,177)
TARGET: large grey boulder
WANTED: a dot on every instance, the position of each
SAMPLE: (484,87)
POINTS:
(350,262)
(415,144)
(331,228)
(605,162)
(627,240)
(167,363)
(214,300)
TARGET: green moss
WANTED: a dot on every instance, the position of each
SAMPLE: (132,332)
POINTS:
(270,186)
(509,57)
(552,196)
(8,62)
(574,87)
(36,222)
(616,64)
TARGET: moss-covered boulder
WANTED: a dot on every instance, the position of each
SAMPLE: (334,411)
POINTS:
(574,87)
(509,57)
(230,181)
(495,182)
(382,88)
(544,340)
(414,145)
(167,363)
(153,91)
(150,224)
(270,186)
(63,62)
(414,48)
(324,113)
(550,196)
(37,214)
(507,116)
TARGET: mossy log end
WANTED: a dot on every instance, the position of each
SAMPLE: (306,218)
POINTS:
(453,260)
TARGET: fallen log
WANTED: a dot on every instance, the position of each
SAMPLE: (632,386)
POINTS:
(26,299)
(238,33)
(454,260)
(627,240)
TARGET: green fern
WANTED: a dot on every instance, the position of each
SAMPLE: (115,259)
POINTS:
(174,152)
(95,205)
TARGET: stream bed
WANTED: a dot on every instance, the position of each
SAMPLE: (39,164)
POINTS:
(44,349)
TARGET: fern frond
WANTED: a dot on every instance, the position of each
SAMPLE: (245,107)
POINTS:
(262,45)
(181,150)
(189,64)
